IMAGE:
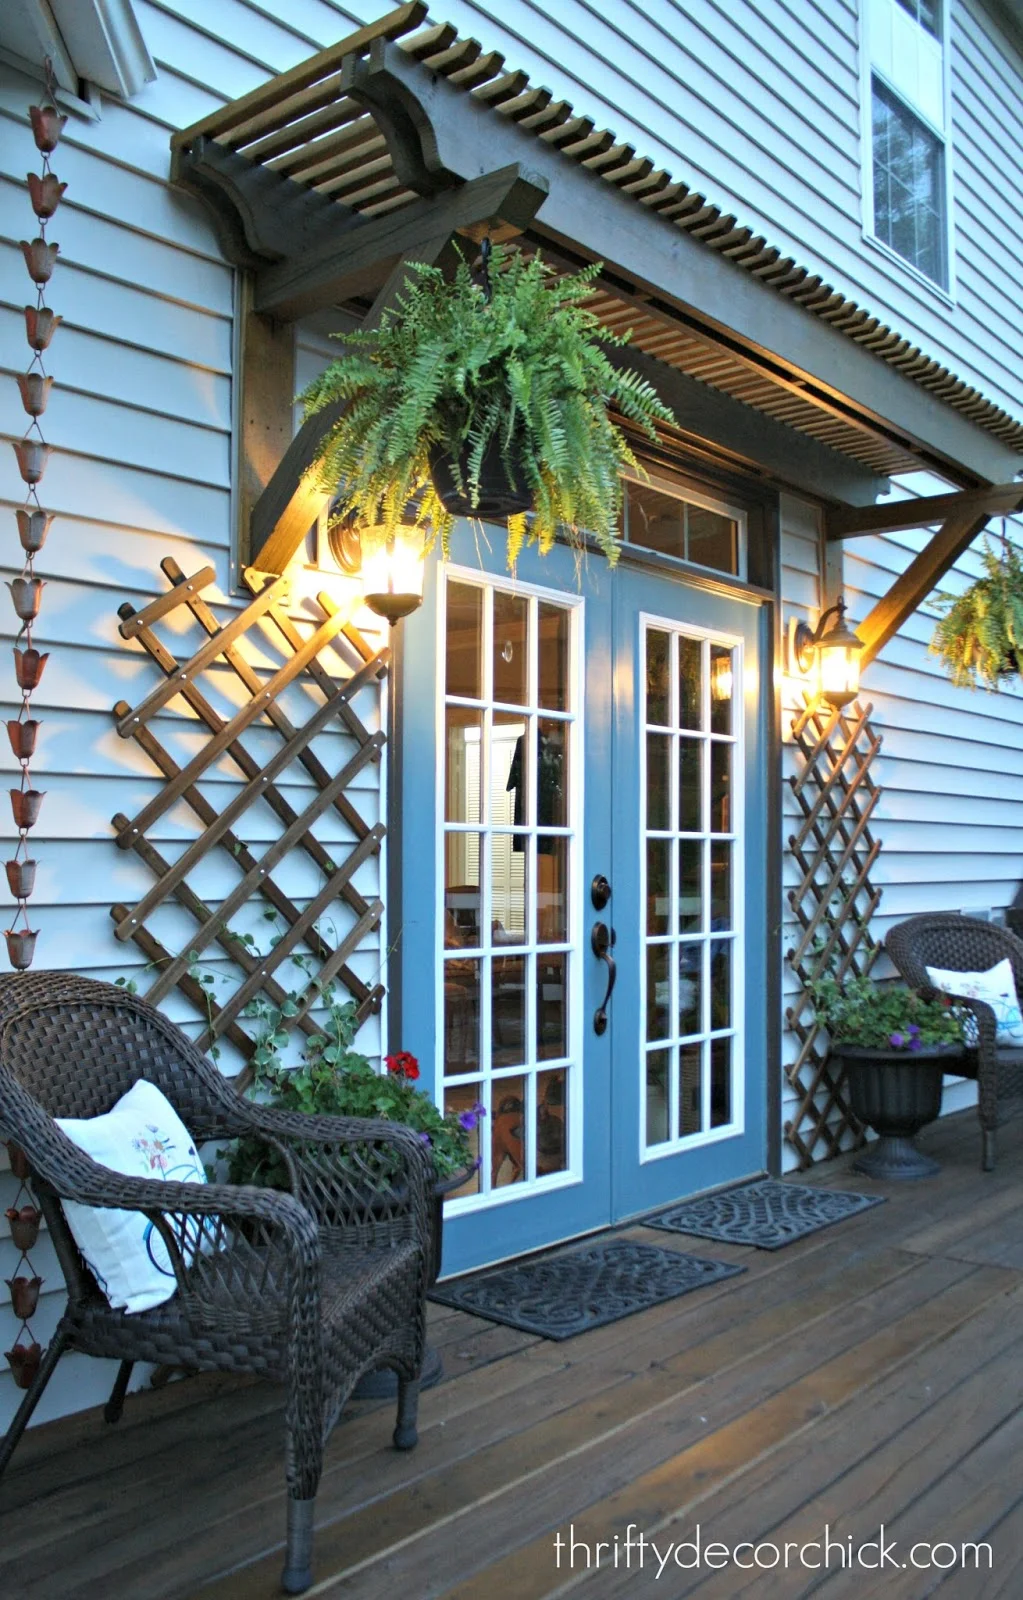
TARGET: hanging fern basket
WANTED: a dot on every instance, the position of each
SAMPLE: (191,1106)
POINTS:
(979,636)
(503,491)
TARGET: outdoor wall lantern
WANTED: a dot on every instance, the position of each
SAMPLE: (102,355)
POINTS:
(838,651)
(390,566)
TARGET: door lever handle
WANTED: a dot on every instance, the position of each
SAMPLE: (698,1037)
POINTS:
(602,941)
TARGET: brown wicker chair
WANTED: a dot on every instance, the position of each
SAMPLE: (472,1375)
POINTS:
(311,1289)
(962,944)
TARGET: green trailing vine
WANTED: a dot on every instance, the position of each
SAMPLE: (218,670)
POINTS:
(449,370)
(980,634)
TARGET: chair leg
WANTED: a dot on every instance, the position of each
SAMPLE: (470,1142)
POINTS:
(298,1561)
(33,1394)
(115,1405)
(406,1436)
(989,1150)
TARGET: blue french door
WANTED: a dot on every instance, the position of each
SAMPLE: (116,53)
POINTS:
(582,752)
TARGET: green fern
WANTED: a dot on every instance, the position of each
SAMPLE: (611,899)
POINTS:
(980,636)
(447,369)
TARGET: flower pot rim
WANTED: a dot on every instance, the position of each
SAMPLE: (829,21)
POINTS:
(926,1052)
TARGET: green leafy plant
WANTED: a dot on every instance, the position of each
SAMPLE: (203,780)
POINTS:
(334,1080)
(448,370)
(980,636)
(883,1016)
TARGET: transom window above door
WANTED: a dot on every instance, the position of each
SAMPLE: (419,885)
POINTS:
(655,516)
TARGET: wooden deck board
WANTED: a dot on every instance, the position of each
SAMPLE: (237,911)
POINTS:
(869,1372)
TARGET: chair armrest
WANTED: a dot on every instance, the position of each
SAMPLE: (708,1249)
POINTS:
(356,1171)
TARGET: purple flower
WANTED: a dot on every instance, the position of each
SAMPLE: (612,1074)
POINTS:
(424,1138)
(914,1044)
(468,1119)
(913,1029)
(896,1041)
(480,1109)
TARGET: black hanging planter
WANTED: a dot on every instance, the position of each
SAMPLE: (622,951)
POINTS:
(500,495)
(896,1092)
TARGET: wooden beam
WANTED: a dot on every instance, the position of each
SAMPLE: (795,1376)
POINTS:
(266,407)
(924,572)
(294,497)
(350,265)
(462,138)
(402,20)
(850,522)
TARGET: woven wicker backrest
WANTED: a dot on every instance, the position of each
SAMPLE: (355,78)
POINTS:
(958,944)
(76,1046)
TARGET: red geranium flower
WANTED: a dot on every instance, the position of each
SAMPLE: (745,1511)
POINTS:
(402,1064)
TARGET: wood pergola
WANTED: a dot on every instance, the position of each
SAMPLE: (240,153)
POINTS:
(395,142)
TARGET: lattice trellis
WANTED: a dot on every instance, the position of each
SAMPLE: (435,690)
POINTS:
(265,621)
(833,904)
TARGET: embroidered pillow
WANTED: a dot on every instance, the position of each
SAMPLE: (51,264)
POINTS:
(143,1137)
(996,988)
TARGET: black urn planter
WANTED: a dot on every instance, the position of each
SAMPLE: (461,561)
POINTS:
(896,1092)
(500,495)
(383,1383)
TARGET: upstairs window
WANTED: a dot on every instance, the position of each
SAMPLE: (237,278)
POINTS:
(909,186)
(926,12)
(906,159)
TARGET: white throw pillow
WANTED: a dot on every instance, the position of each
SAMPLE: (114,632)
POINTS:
(996,988)
(143,1137)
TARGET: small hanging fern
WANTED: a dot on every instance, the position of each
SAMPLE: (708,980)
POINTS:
(980,636)
(448,369)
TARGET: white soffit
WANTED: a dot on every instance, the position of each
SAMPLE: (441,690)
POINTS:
(98,41)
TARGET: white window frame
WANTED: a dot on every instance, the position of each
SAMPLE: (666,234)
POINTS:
(734,1129)
(573,1174)
(869,69)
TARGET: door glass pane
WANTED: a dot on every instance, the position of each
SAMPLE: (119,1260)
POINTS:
(464,730)
(720,886)
(508,1132)
(690,683)
(690,988)
(511,653)
(658,780)
(464,643)
(510,769)
(720,788)
(658,677)
(461,1015)
(721,983)
(552,773)
(690,752)
(552,1005)
(658,995)
(690,885)
(460,1099)
(658,1065)
(721,686)
(551,889)
(553,654)
(690,1088)
(720,1082)
(551,1122)
(508,1010)
(658,885)
(509,877)
(463,905)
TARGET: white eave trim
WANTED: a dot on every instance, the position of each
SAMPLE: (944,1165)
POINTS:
(89,41)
